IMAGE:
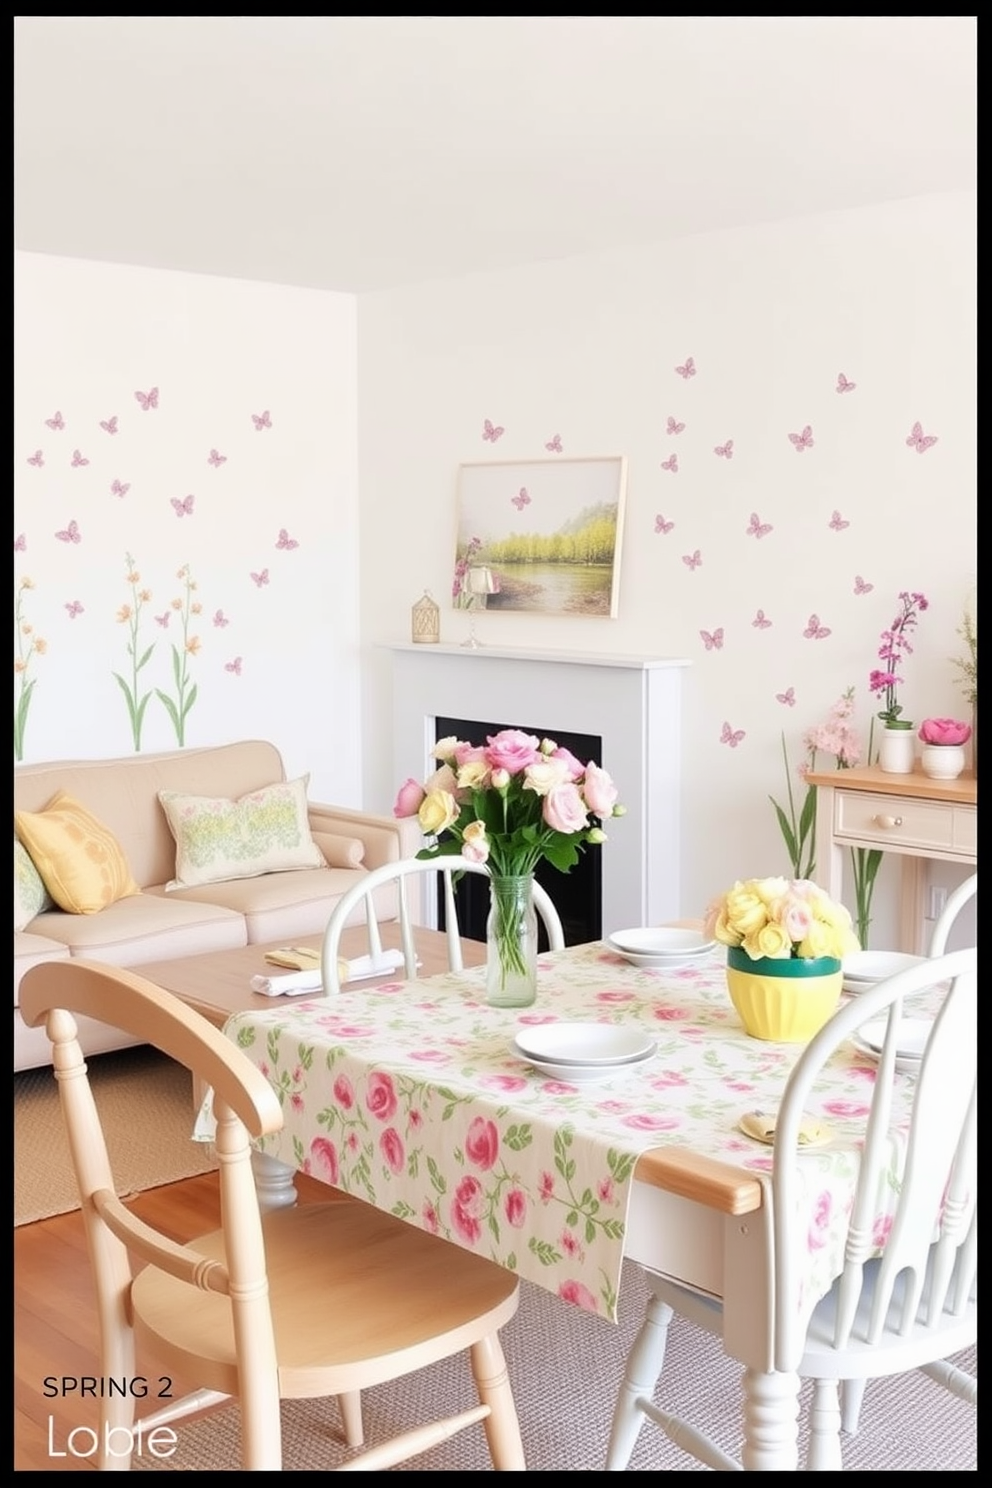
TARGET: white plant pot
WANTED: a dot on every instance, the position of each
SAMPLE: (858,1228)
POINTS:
(897,751)
(943,761)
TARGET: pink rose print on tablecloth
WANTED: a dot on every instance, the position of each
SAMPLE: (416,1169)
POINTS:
(614,996)
(605,1190)
(380,1096)
(344,1092)
(392,1149)
(546,1187)
(505,1083)
(846,1108)
(644,1121)
(467,1207)
(429,1056)
(574,1291)
(571,1246)
(430,1218)
(482,1143)
(820,1222)
(324,1159)
(881,1230)
(515,1207)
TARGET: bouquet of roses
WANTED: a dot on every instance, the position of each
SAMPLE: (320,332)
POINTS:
(781,918)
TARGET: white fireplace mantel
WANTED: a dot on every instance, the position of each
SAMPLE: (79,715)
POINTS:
(632,703)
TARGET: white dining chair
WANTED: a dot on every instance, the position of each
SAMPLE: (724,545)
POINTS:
(364,899)
(912,1307)
(323,1299)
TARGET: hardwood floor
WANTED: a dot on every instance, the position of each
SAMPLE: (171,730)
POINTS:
(55,1318)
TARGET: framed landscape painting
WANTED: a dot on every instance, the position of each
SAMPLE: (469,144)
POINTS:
(541,535)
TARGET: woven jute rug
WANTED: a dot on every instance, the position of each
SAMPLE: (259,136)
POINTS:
(148,1144)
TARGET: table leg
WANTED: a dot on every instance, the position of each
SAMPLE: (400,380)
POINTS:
(274,1182)
(771,1422)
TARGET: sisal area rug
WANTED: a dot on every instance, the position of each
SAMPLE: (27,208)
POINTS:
(565,1367)
(144,1154)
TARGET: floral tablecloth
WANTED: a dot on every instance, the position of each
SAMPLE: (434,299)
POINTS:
(408,1095)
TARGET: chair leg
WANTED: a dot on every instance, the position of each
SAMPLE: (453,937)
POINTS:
(501,1425)
(644,1366)
(851,1395)
(823,1452)
(350,1406)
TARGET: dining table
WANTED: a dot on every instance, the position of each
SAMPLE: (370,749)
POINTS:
(414,1095)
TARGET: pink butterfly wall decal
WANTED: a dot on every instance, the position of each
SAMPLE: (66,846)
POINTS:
(843,386)
(761,621)
(70,534)
(713,642)
(262,420)
(521,500)
(674,427)
(78,458)
(36,459)
(109,426)
(860,587)
(233,666)
(692,560)
(919,441)
(260,578)
(554,444)
(788,697)
(814,630)
(221,619)
(120,488)
(74,608)
(148,400)
(660,525)
(56,421)
(215,458)
(492,431)
(687,370)
(183,508)
(20,543)
(731,736)
(837,523)
(757,528)
(726,450)
(803,441)
(672,464)
(163,620)
(285,541)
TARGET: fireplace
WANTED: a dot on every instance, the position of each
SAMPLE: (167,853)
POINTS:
(631,705)
(576,895)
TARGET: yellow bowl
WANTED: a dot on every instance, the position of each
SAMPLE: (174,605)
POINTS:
(784,1006)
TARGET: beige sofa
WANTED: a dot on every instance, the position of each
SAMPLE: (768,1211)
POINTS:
(158,924)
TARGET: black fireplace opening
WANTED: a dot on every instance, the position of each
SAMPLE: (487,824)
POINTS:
(576,895)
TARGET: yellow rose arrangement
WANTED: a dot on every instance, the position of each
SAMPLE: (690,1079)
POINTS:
(781,919)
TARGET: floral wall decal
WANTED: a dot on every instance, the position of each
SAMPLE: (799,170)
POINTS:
(147,401)
(28,645)
(56,421)
(687,369)
(179,703)
(129,615)
(492,431)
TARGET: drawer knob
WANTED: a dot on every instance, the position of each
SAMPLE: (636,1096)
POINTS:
(887,821)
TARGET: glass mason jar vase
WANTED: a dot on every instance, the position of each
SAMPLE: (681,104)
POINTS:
(511,942)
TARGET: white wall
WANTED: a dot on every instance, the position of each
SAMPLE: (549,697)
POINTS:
(586,348)
(285,664)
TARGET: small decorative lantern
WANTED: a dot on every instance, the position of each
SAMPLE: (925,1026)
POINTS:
(426,617)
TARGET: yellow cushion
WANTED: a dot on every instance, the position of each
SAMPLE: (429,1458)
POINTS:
(81,863)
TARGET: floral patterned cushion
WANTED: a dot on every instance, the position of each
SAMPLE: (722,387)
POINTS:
(217,839)
(30,895)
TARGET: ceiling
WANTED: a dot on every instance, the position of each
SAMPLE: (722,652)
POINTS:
(356,154)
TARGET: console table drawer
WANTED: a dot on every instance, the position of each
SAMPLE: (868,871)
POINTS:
(901,821)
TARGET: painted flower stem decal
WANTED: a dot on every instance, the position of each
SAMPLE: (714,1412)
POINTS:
(130,615)
(28,645)
(178,707)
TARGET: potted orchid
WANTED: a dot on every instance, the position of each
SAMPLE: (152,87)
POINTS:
(895,754)
(943,747)
(509,803)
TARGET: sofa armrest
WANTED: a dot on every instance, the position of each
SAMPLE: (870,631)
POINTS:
(387,839)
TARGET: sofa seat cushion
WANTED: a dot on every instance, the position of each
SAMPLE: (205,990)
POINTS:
(277,906)
(145,927)
(30,950)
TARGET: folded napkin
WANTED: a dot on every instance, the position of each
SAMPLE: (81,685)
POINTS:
(298,958)
(297,983)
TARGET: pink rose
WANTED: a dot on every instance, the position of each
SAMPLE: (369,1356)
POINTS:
(408,798)
(644,1122)
(564,809)
(391,1147)
(515,1207)
(944,731)
(574,1291)
(512,751)
(576,769)
(466,1209)
(431,1221)
(482,1143)
(507,1083)
(599,791)
(344,1092)
(324,1159)
(380,1097)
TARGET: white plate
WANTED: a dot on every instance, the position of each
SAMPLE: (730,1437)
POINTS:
(583,1043)
(911,1036)
(660,943)
(869,967)
(659,963)
(579,1074)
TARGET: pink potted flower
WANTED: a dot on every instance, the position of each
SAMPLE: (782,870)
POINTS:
(943,747)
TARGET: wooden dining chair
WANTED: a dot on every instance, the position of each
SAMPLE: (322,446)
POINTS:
(912,1306)
(324,1299)
(363,898)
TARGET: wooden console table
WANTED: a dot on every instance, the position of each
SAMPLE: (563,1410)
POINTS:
(911,815)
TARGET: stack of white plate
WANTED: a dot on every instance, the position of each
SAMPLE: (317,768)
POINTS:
(663,947)
(911,1040)
(865,968)
(578,1052)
